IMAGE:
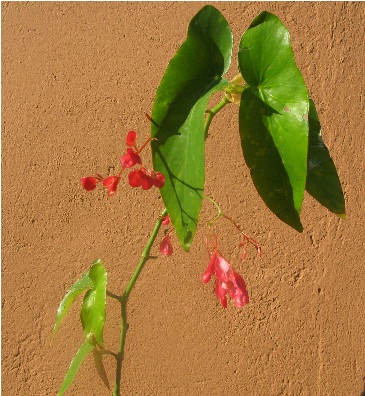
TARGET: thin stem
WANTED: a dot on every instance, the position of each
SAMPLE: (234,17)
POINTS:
(220,213)
(124,300)
(212,112)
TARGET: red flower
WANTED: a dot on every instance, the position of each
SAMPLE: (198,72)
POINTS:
(145,179)
(227,280)
(130,159)
(166,246)
(89,183)
(111,183)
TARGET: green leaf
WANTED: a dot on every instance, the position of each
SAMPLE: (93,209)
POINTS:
(76,289)
(75,365)
(98,359)
(323,182)
(263,158)
(193,74)
(278,100)
(93,306)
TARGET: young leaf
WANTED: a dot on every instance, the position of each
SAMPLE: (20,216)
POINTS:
(93,306)
(178,114)
(278,98)
(76,289)
(98,359)
(323,182)
(75,364)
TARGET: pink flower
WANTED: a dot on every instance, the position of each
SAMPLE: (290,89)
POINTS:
(166,246)
(227,281)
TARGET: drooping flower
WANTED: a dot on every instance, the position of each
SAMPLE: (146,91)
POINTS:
(166,246)
(227,281)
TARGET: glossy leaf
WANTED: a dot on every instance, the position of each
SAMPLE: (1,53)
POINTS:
(323,182)
(76,289)
(74,367)
(93,306)
(277,99)
(98,359)
(262,157)
(178,117)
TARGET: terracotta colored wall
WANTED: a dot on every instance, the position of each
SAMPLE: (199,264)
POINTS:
(76,77)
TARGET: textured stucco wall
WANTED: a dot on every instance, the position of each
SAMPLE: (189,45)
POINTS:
(76,77)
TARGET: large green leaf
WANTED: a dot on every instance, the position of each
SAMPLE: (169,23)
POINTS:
(75,365)
(178,114)
(75,290)
(93,306)
(277,99)
(323,182)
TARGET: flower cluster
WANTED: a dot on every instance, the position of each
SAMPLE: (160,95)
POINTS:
(227,281)
(141,177)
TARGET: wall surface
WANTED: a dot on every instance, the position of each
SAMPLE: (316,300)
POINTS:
(76,77)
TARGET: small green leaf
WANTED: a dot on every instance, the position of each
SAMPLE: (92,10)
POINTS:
(98,359)
(75,365)
(323,182)
(193,74)
(76,289)
(276,103)
(93,306)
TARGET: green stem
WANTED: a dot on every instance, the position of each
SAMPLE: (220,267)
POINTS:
(212,112)
(124,300)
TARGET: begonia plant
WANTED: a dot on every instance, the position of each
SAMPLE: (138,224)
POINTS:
(281,143)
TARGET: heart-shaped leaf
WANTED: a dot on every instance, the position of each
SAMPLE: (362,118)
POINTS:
(193,74)
(323,182)
(93,306)
(274,117)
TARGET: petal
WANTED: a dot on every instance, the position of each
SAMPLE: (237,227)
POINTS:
(159,180)
(134,178)
(166,246)
(147,182)
(220,292)
(131,139)
(210,269)
(222,269)
(88,183)
(166,220)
